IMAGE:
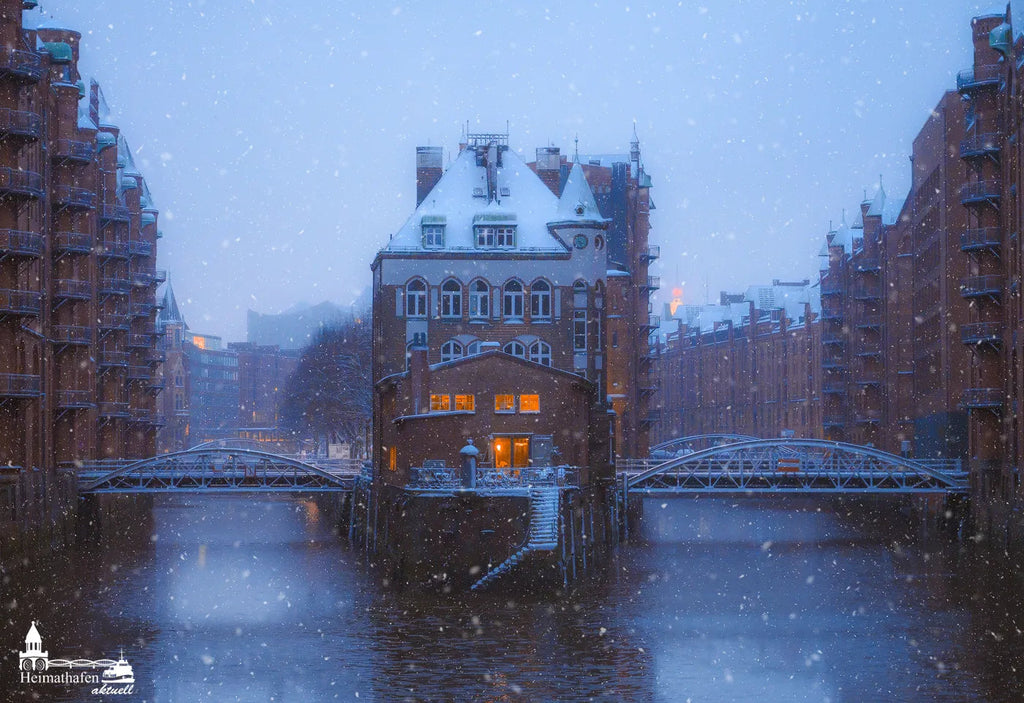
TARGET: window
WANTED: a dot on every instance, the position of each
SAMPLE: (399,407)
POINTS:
(496,237)
(450,351)
(515,349)
(579,294)
(540,300)
(179,381)
(479,300)
(579,330)
(504,403)
(540,353)
(512,301)
(529,403)
(393,459)
(433,236)
(473,348)
(416,299)
(451,299)
(465,402)
(440,403)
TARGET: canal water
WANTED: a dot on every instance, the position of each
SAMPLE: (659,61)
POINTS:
(223,598)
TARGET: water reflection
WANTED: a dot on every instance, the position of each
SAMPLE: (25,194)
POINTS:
(220,598)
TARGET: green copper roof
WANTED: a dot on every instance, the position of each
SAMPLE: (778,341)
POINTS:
(59,51)
(433,220)
(495,217)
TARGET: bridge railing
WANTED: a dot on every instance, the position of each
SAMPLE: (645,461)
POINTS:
(447,477)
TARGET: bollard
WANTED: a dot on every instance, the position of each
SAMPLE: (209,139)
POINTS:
(469,454)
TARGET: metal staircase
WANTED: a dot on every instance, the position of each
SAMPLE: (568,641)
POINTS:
(543,535)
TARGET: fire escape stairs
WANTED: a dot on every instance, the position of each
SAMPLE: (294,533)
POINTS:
(543,535)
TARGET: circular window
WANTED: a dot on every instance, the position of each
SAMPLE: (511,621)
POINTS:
(580,241)
(599,242)
(580,209)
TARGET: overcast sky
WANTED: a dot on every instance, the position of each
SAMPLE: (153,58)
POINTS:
(278,138)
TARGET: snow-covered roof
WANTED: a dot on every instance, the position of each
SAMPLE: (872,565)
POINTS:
(788,297)
(577,201)
(460,200)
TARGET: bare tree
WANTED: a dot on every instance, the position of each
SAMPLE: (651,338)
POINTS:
(329,396)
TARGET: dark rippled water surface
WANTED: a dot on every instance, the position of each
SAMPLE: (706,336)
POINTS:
(257,599)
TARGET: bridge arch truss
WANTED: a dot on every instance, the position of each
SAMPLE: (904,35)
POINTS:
(794,466)
(218,469)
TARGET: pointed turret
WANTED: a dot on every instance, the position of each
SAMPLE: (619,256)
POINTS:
(577,200)
(169,312)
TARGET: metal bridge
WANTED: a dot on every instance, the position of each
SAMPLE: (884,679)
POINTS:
(774,466)
(216,470)
(697,442)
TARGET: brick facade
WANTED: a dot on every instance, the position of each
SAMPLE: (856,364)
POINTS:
(78,235)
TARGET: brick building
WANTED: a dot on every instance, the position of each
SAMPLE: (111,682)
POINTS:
(78,235)
(515,257)
(748,365)
(174,402)
(923,311)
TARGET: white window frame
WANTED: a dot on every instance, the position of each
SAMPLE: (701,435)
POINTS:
(495,237)
(515,348)
(451,300)
(540,353)
(452,350)
(579,331)
(479,300)
(433,236)
(512,301)
(416,299)
(540,300)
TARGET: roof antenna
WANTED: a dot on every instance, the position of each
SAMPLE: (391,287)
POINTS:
(576,157)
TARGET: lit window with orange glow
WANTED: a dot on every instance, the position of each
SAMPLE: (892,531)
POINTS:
(393,459)
(200,342)
(465,402)
(504,403)
(440,403)
(529,403)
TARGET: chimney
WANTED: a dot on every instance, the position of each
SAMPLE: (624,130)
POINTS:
(419,375)
(549,167)
(428,170)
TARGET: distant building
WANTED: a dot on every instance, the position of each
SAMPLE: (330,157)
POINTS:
(294,329)
(213,388)
(748,365)
(175,401)
(263,372)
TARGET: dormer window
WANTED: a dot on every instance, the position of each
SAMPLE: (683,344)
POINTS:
(503,237)
(433,231)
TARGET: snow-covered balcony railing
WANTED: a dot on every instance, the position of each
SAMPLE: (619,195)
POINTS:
(18,243)
(114,321)
(869,322)
(651,252)
(867,264)
(110,358)
(140,248)
(115,285)
(113,249)
(72,242)
(19,385)
(989,398)
(19,302)
(72,150)
(20,123)
(71,399)
(977,238)
(72,289)
(113,409)
(979,76)
(74,197)
(115,212)
(14,181)
(981,191)
(71,334)
(980,145)
(982,333)
(22,64)
(982,286)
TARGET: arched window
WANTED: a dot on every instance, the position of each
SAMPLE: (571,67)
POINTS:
(540,300)
(540,352)
(451,299)
(579,294)
(416,298)
(512,301)
(473,348)
(479,300)
(451,350)
(515,349)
